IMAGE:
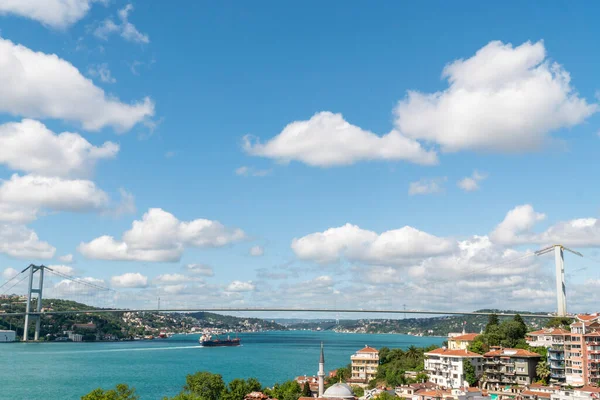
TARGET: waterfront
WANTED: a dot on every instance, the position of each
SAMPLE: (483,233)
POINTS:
(64,371)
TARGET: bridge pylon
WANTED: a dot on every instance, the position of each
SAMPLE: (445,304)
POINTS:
(31,290)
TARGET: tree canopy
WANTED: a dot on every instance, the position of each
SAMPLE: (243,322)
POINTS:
(120,392)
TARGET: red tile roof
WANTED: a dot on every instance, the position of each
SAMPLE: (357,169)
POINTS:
(538,394)
(587,317)
(453,353)
(511,353)
(591,389)
(368,349)
(552,331)
(467,337)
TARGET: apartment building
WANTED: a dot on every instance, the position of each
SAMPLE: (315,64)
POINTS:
(445,367)
(364,365)
(462,341)
(582,393)
(554,340)
(510,367)
(582,351)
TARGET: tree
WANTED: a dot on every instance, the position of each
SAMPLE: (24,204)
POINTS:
(422,377)
(358,391)
(492,321)
(202,386)
(306,390)
(543,370)
(289,390)
(523,327)
(120,392)
(239,388)
(559,322)
(478,346)
(386,396)
(469,371)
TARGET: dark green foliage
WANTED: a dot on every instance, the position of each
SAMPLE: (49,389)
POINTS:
(510,333)
(542,371)
(343,373)
(386,396)
(469,370)
(559,322)
(358,391)
(203,386)
(421,377)
(237,389)
(121,392)
(289,390)
(492,321)
(395,362)
(306,390)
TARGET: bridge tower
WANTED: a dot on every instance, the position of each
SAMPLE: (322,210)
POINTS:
(31,290)
(559,260)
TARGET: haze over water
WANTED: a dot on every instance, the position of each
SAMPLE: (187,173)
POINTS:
(64,371)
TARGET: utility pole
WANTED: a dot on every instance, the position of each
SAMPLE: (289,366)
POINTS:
(33,269)
(559,260)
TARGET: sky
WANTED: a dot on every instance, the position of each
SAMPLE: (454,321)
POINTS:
(342,155)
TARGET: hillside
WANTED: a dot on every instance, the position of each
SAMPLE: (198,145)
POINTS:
(433,326)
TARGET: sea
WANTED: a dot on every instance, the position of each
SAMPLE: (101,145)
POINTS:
(157,368)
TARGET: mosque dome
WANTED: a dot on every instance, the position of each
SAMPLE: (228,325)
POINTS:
(339,391)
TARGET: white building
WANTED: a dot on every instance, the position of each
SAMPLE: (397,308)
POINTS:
(582,393)
(7,336)
(445,367)
(364,365)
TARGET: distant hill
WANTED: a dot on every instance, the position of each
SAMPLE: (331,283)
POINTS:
(241,324)
(430,326)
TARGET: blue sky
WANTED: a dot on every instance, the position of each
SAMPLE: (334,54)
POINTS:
(213,74)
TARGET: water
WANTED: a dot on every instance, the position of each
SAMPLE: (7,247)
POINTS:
(64,371)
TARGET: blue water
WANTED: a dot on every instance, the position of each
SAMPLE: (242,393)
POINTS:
(64,371)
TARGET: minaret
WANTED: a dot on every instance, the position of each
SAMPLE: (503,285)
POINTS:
(321,373)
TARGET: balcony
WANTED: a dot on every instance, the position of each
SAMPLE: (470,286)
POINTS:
(556,356)
(557,376)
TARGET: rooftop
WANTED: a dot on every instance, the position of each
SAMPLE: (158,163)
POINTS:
(368,349)
(511,353)
(549,331)
(453,353)
(467,337)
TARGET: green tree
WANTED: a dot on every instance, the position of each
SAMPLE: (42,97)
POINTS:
(289,390)
(523,327)
(386,396)
(343,373)
(559,322)
(543,370)
(413,353)
(358,391)
(306,390)
(478,346)
(120,392)
(239,388)
(202,386)
(492,321)
(469,371)
(421,377)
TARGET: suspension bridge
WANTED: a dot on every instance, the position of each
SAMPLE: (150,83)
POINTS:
(38,282)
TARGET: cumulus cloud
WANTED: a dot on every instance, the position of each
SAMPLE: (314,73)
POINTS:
(471,183)
(250,171)
(239,286)
(126,29)
(257,251)
(129,280)
(502,99)
(171,279)
(397,246)
(200,269)
(516,226)
(58,14)
(328,140)
(160,236)
(31,147)
(101,71)
(39,85)
(21,242)
(426,186)
(9,273)
(70,287)
(63,269)
(67,258)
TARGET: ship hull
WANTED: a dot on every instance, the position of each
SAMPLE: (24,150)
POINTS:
(220,343)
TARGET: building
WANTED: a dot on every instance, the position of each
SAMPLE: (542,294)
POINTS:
(582,393)
(582,351)
(364,365)
(7,336)
(90,326)
(462,341)
(338,391)
(554,340)
(445,367)
(509,367)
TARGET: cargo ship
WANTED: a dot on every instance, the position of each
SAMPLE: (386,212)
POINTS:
(208,341)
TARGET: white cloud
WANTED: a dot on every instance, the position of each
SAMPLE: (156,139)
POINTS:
(426,186)
(53,193)
(171,279)
(58,14)
(63,269)
(328,140)
(31,147)
(17,213)
(125,28)
(200,269)
(239,286)
(129,280)
(397,246)
(471,183)
(67,258)
(250,171)
(159,236)
(70,287)
(517,225)
(9,273)
(503,99)
(257,251)
(39,85)
(21,242)
(101,71)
